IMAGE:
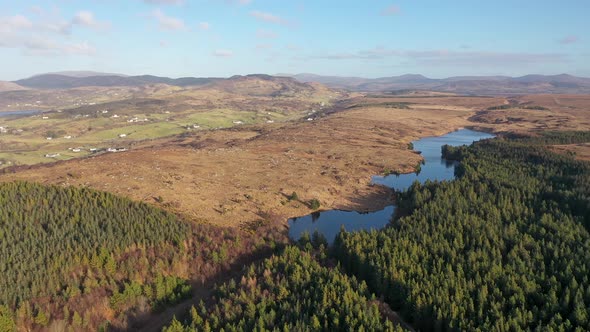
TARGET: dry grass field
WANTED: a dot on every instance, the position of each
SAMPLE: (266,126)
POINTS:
(243,176)
(579,151)
(90,121)
(236,176)
(562,112)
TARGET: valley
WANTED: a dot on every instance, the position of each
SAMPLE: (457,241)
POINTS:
(228,163)
(242,174)
(305,166)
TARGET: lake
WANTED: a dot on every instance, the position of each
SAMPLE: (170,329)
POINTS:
(19,113)
(435,167)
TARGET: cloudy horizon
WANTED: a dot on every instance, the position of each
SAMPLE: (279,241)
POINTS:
(222,38)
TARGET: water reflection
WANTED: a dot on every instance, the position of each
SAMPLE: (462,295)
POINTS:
(434,167)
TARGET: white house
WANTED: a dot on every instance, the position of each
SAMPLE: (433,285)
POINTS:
(116,149)
(122,135)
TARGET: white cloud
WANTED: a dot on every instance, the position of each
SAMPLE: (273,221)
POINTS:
(87,19)
(263,46)
(37,46)
(14,23)
(391,10)
(61,27)
(239,2)
(36,9)
(446,57)
(571,39)
(268,17)
(164,2)
(166,22)
(204,26)
(223,53)
(19,32)
(266,34)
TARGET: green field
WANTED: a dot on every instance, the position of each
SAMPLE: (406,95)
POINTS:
(69,131)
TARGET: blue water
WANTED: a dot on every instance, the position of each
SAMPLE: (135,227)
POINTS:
(435,167)
(328,222)
(19,113)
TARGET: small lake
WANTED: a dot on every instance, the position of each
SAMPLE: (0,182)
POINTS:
(19,113)
(435,167)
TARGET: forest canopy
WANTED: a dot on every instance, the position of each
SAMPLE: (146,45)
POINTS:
(504,247)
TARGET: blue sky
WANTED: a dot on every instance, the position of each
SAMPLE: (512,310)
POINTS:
(370,38)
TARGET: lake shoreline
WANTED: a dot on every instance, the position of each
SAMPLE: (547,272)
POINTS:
(433,167)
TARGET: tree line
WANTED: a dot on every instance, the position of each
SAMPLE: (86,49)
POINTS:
(503,247)
(79,258)
(298,289)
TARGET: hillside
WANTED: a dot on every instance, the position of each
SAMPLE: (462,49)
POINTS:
(324,298)
(92,120)
(504,247)
(10,86)
(79,258)
(82,73)
(484,85)
(477,85)
(262,85)
(57,81)
(240,178)
(63,81)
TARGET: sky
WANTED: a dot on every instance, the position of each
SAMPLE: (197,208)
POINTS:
(221,38)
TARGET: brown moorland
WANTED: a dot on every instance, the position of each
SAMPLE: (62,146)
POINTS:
(236,176)
(579,151)
(240,176)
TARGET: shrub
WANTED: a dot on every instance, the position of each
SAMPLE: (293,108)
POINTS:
(314,204)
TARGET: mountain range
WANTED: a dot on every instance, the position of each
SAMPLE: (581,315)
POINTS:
(482,85)
(64,81)
(486,85)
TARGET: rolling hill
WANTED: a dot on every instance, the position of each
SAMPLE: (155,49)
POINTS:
(10,86)
(485,85)
(59,81)
(476,85)
(236,83)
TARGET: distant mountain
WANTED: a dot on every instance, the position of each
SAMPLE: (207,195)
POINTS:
(263,85)
(460,84)
(484,85)
(333,81)
(57,81)
(83,73)
(256,84)
(10,86)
